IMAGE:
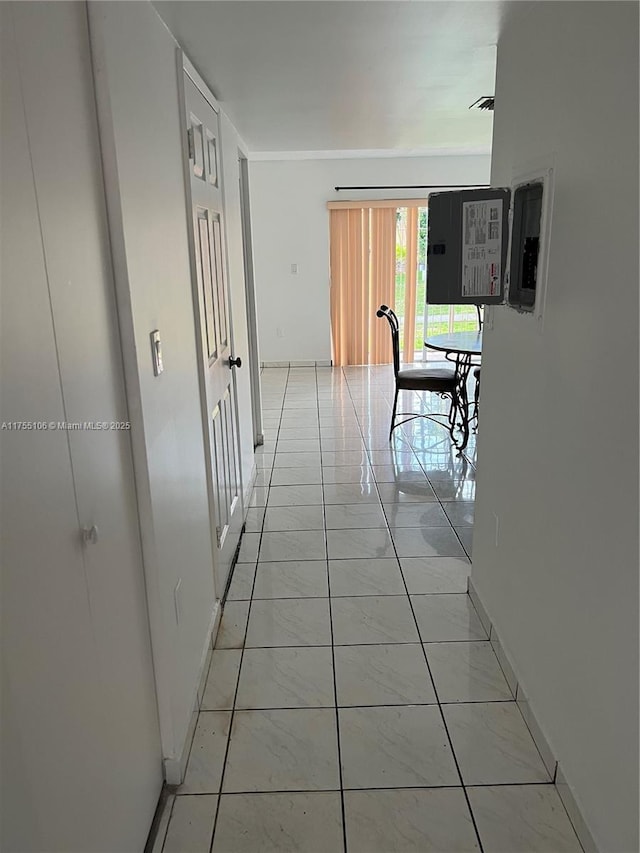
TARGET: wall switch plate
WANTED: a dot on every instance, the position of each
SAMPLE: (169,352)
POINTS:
(156,353)
(280,332)
(294,269)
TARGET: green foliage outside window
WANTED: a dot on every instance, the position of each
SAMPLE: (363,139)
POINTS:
(439,318)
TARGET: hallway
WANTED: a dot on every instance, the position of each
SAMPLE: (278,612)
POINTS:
(366,707)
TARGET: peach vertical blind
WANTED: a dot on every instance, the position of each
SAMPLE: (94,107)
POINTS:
(363,267)
(381,280)
(349,234)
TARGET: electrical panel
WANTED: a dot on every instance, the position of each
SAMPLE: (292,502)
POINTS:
(489,246)
(466,249)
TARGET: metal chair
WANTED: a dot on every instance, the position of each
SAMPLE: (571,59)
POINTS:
(476,396)
(438,380)
(479,310)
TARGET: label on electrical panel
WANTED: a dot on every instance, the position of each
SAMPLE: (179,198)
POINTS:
(481,247)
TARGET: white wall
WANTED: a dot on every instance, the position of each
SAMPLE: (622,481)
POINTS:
(137,81)
(291,226)
(79,716)
(558,459)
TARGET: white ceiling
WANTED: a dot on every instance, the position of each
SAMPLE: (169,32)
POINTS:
(325,76)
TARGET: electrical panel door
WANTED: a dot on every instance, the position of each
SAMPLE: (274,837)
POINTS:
(525,246)
(467,247)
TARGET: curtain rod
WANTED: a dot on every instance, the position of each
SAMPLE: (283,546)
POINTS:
(416,187)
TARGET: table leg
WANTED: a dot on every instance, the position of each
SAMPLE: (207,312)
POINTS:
(463,368)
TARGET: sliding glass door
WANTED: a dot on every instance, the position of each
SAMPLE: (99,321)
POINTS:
(410,280)
(379,255)
(417,319)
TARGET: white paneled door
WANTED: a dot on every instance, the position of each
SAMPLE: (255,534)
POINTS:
(217,363)
(81,757)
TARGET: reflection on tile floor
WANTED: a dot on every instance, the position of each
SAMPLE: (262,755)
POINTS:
(353,701)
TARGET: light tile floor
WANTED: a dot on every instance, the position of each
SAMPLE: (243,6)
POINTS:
(353,701)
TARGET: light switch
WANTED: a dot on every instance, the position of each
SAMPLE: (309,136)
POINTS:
(294,269)
(156,353)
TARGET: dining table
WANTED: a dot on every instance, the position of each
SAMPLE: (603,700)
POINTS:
(464,349)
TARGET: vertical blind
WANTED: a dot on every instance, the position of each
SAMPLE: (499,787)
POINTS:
(363,271)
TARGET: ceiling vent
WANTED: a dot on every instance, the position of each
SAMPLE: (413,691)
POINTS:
(484,103)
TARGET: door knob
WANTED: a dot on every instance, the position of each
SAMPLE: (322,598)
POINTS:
(235,362)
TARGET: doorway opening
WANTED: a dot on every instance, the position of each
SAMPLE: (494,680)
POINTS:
(250,296)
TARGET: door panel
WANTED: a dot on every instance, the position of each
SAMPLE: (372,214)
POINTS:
(210,329)
(212,158)
(221,284)
(196,134)
(213,321)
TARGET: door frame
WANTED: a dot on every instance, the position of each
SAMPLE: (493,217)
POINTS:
(184,67)
(250,297)
(160,639)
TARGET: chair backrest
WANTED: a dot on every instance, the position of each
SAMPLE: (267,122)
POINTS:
(385,311)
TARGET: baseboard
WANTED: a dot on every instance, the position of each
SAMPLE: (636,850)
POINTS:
(575,814)
(216,626)
(504,662)
(246,496)
(174,768)
(482,613)
(540,740)
(544,748)
(160,824)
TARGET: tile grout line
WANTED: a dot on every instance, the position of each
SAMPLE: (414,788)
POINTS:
(312,791)
(340,645)
(439,703)
(352,595)
(361,704)
(333,654)
(367,451)
(242,650)
(173,805)
(441,503)
(432,487)
(444,722)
